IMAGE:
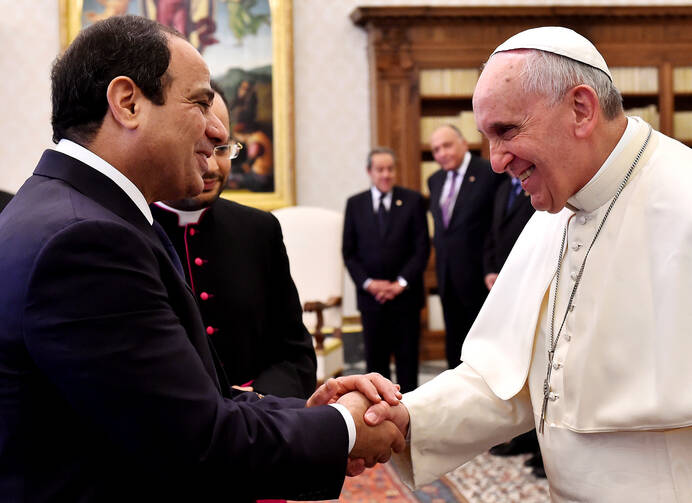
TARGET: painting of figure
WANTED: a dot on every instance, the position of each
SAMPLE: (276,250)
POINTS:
(235,39)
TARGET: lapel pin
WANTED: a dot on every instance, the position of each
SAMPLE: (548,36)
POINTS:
(398,202)
(472,178)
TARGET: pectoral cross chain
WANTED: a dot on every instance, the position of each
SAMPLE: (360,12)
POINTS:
(546,390)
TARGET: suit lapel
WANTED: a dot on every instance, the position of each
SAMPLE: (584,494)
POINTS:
(465,192)
(102,190)
(395,210)
(367,213)
(437,182)
(106,193)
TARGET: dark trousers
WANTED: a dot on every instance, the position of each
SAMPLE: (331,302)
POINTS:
(386,332)
(458,321)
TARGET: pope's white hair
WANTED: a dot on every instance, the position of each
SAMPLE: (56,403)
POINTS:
(552,75)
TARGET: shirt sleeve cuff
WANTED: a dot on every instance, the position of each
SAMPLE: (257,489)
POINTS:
(366,283)
(402,281)
(350,424)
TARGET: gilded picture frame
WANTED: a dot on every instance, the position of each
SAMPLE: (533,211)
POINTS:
(74,14)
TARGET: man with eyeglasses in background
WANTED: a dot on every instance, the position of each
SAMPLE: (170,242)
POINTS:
(236,265)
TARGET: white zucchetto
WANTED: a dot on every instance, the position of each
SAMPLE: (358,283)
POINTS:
(558,40)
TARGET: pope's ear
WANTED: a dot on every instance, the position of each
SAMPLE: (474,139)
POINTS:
(587,110)
(124,101)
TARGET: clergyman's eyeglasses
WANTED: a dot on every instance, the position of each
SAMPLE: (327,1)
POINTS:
(228,151)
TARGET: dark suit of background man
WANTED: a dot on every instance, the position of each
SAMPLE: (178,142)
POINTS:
(386,248)
(236,265)
(461,202)
(4,199)
(109,386)
(511,211)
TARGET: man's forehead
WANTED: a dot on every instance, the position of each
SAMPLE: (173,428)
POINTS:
(444,133)
(186,59)
(382,158)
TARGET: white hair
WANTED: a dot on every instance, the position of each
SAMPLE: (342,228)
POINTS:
(552,75)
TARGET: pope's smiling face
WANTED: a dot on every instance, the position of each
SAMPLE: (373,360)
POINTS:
(529,137)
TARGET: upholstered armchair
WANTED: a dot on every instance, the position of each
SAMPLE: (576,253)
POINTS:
(313,243)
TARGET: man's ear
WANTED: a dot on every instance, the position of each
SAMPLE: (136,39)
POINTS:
(586,109)
(124,101)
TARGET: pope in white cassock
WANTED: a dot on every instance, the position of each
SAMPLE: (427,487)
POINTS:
(587,334)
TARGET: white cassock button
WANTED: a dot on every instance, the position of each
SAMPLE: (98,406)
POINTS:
(576,246)
(573,275)
(557,365)
(571,308)
(568,337)
(553,396)
(583,219)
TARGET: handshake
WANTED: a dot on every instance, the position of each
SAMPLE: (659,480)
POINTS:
(381,420)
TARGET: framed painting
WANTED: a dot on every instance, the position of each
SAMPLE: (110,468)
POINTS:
(248,46)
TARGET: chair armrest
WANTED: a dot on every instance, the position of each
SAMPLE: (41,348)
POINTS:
(318,307)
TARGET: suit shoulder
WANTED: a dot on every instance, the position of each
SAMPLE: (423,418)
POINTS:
(358,196)
(231,209)
(408,193)
(480,161)
(437,174)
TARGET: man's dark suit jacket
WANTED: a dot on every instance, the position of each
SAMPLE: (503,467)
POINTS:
(402,251)
(236,259)
(506,226)
(459,247)
(109,391)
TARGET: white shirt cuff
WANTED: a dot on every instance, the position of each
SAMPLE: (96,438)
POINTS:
(350,424)
(366,283)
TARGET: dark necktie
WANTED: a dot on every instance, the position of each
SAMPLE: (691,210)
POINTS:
(168,246)
(382,215)
(513,193)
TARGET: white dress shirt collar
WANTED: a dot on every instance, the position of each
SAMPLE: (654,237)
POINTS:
(376,199)
(86,156)
(461,170)
(185,217)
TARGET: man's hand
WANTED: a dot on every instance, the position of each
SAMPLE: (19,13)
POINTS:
(379,288)
(392,290)
(243,388)
(374,444)
(372,385)
(490,279)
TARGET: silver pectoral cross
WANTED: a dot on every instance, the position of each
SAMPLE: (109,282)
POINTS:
(546,390)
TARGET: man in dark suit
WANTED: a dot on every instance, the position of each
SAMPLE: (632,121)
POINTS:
(461,202)
(511,210)
(5,198)
(236,265)
(386,248)
(109,386)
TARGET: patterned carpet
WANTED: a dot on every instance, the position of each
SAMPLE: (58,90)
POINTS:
(486,479)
